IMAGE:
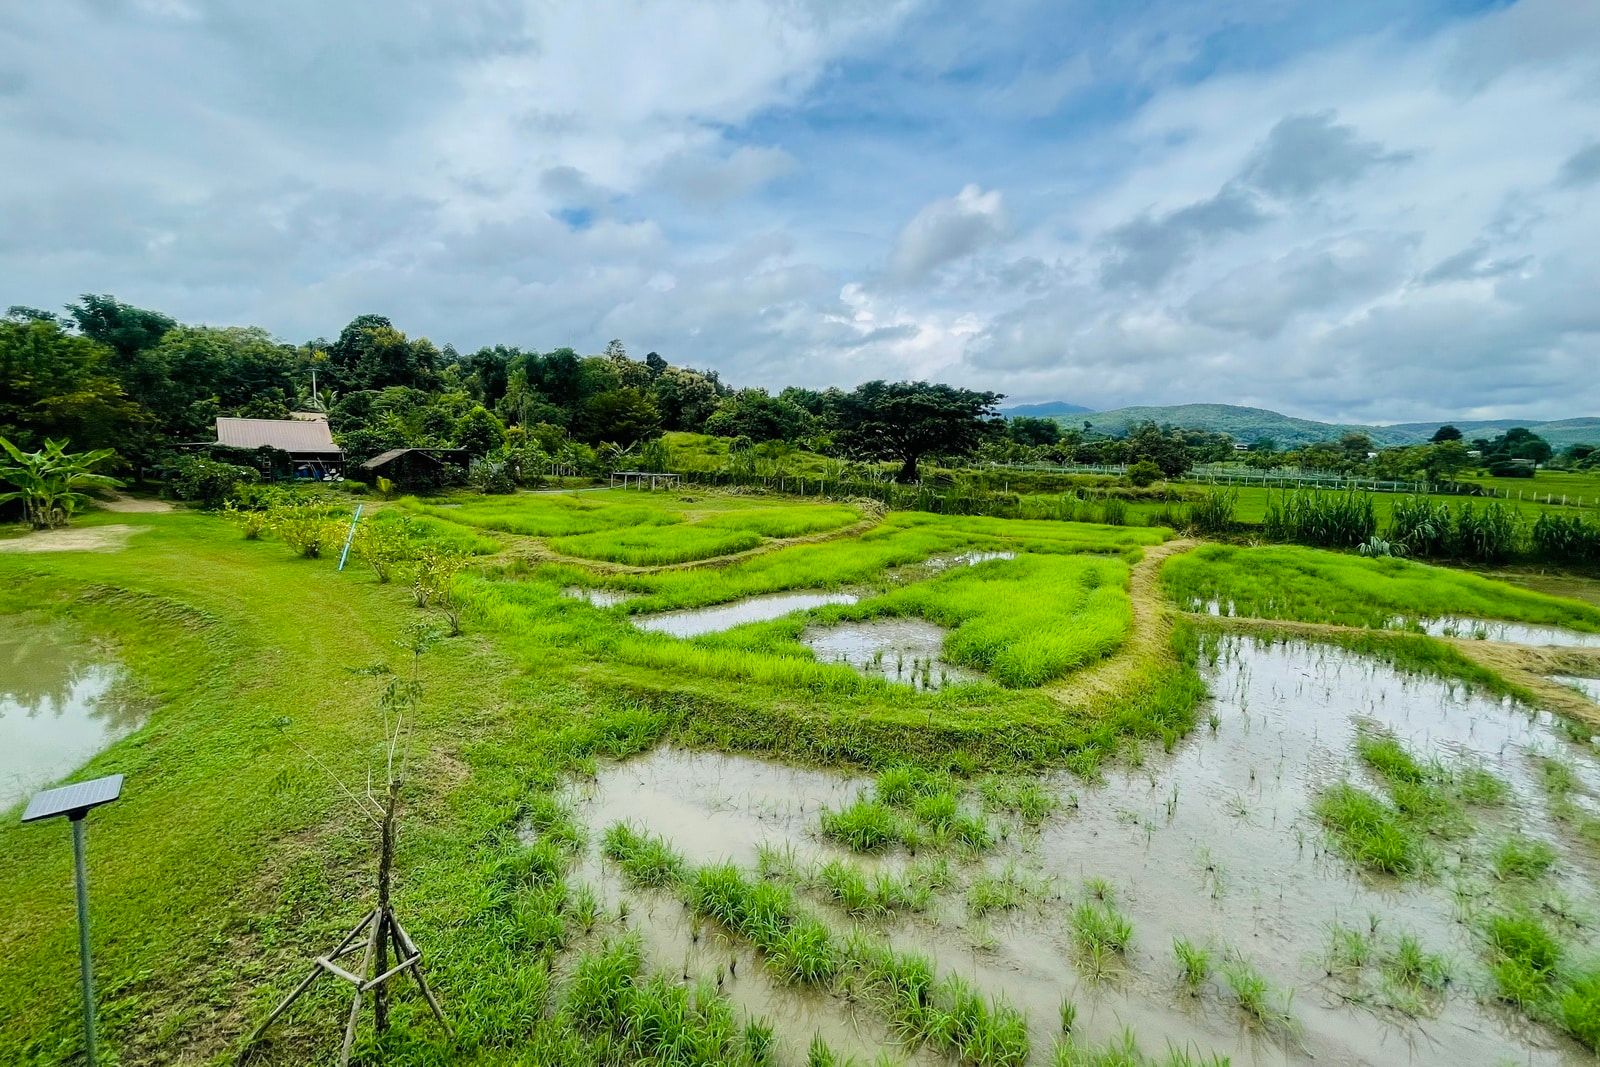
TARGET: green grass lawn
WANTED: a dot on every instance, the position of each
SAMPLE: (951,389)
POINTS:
(1310,585)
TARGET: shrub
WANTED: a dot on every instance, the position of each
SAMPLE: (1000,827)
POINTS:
(380,545)
(1566,539)
(491,476)
(1144,473)
(1488,534)
(304,527)
(1214,512)
(205,481)
(1337,518)
(1422,525)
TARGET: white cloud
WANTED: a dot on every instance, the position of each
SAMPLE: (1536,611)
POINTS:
(947,230)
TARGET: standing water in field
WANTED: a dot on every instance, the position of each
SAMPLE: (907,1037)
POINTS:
(1512,633)
(1215,843)
(56,710)
(719,617)
(900,650)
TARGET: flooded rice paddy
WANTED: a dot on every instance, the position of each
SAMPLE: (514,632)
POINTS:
(1511,633)
(1214,842)
(696,621)
(57,709)
(900,650)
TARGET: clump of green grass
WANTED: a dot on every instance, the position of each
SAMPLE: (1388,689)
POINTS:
(1368,831)
(647,859)
(867,825)
(1255,995)
(651,546)
(1524,957)
(861,894)
(1020,796)
(1194,963)
(1005,891)
(1523,859)
(1413,968)
(1124,1051)
(1100,932)
(1349,948)
(1478,786)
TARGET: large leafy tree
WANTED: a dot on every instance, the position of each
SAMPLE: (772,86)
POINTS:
(57,384)
(754,414)
(906,421)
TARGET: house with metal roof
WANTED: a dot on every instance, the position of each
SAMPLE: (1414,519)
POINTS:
(305,437)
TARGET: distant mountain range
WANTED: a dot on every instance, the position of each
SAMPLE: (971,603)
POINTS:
(1253,424)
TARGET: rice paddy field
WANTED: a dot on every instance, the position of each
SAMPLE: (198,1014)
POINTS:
(720,778)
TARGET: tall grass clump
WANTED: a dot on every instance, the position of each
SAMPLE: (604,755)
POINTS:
(1194,963)
(1368,831)
(1214,512)
(1488,534)
(1331,518)
(867,825)
(1422,525)
(1565,539)
(647,859)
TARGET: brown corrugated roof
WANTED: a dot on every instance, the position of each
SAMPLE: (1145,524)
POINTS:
(290,435)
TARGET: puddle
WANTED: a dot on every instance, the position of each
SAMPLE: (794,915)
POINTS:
(714,809)
(56,711)
(964,559)
(906,651)
(600,598)
(1514,633)
(719,617)
(1213,842)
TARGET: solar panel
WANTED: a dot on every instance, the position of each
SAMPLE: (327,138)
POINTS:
(74,798)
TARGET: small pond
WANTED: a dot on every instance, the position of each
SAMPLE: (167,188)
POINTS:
(600,598)
(906,651)
(57,709)
(719,617)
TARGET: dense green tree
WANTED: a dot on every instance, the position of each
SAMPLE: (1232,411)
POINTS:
(1027,430)
(621,416)
(907,421)
(1445,433)
(1166,448)
(479,432)
(685,398)
(54,384)
(754,414)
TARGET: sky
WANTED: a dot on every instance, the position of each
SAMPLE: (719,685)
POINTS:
(1372,210)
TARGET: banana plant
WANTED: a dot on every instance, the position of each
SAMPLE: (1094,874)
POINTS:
(51,482)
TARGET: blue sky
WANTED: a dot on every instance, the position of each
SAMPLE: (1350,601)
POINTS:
(1366,211)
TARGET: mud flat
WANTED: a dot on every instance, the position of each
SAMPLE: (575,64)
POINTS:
(1215,842)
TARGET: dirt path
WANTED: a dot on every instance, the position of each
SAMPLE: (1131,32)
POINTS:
(1149,636)
(76,539)
(135,504)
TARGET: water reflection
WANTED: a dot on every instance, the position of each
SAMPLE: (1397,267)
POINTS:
(56,710)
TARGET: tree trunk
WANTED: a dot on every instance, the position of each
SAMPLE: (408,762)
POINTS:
(380,999)
(908,470)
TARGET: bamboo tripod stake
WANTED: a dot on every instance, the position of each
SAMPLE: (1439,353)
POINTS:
(383,932)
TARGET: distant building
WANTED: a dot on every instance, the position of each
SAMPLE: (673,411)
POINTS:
(305,437)
(416,468)
(1240,446)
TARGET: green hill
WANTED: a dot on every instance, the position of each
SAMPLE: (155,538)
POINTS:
(1252,424)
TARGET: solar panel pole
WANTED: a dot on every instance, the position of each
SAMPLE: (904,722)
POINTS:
(75,801)
(80,881)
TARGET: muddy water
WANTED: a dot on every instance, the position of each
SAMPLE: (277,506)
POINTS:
(1514,633)
(1214,843)
(719,617)
(56,710)
(906,651)
(600,598)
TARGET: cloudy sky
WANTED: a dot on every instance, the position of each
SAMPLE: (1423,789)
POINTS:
(1373,210)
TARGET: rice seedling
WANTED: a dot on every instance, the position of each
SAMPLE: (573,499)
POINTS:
(1523,859)
(1019,796)
(1349,949)
(656,545)
(1124,1051)
(1524,956)
(1368,831)
(1194,964)
(803,952)
(1005,891)
(1255,996)
(597,994)
(1478,786)
(865,826)
(1412,967)
(862,895)
(647,859)
(1068,1016)
(759,1043)
(1287,582)
(1098,928)
(1577,1007)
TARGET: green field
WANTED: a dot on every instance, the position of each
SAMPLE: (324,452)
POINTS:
(235,857)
